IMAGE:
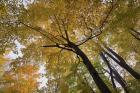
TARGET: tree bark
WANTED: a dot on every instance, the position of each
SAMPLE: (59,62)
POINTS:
(120,80)
(122,63)
(109,67)
(135,34)
(99,82)
(117,76)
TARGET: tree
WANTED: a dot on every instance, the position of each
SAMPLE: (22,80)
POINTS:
(84,30)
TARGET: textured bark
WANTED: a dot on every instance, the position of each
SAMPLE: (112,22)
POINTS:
(99,82)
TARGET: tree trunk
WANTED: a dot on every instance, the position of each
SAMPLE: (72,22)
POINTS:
(109,67)
(117,76)
(135,33)
(99,82)
(122,63)
(120,80)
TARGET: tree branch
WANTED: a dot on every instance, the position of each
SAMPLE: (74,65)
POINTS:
(61,46)
(41,32)
(65,30)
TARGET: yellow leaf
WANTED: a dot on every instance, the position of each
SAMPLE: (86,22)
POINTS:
(2,59)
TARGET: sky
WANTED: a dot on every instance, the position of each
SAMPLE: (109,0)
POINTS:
(42,71)
(25,2)
(11,55)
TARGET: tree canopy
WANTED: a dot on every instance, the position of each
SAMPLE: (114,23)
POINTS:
(86,46)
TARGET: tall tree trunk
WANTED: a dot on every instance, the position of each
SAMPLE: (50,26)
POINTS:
(110,68)
(122,63)
(117,76)
(135,33)
(120,80)
(99,82)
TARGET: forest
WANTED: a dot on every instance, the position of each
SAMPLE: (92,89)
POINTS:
(69,46)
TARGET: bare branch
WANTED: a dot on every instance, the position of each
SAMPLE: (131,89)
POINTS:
(107,16)
(65,30)
(90,29)
(58,24)
(61,46)
(41,32)
(50,46)
(100,28)
(87,39)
